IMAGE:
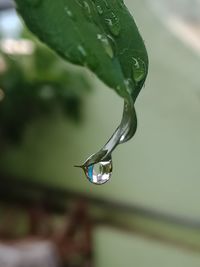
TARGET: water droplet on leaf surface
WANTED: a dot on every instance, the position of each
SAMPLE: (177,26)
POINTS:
(129,86)
(106,45)
(113,24)
(82,51)
(139,69)
(69,12)
(101,6)
(87,10)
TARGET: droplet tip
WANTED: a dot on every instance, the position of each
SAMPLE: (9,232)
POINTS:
(79,166)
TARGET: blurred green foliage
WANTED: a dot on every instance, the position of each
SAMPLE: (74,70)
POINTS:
(34,84)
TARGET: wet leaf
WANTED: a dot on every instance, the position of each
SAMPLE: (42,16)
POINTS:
(99,34)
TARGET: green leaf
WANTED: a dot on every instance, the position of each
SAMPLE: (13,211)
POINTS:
(99,34)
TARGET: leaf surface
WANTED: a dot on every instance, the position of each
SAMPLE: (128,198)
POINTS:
(99,34)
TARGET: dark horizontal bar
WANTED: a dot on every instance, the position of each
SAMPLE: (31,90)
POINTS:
(149,223)
(27,191)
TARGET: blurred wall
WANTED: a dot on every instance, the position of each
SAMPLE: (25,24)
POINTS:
(159,168)
(116,249)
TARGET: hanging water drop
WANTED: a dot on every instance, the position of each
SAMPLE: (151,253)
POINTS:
(99,173)
(106,45)
(98,167)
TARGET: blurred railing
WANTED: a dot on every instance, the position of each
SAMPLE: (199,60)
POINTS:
(178,231)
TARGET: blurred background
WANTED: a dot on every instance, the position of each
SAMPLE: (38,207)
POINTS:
(53,115)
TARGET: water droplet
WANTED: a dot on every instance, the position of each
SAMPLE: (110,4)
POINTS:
(129,85)
(101,6)
(87,10)
(113,24)
(86,6)
(82,51)
(126,106)
(99,173)
(112,41)
(106,44)
(99,9)
(77,53)
(69,12)
(139,69)
(34,3)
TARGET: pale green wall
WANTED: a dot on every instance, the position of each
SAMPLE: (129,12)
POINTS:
(159,168)
(117,249)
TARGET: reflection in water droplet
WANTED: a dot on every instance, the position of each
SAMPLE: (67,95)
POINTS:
(99,173)
(113,24)
(106,45)
(139,70)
